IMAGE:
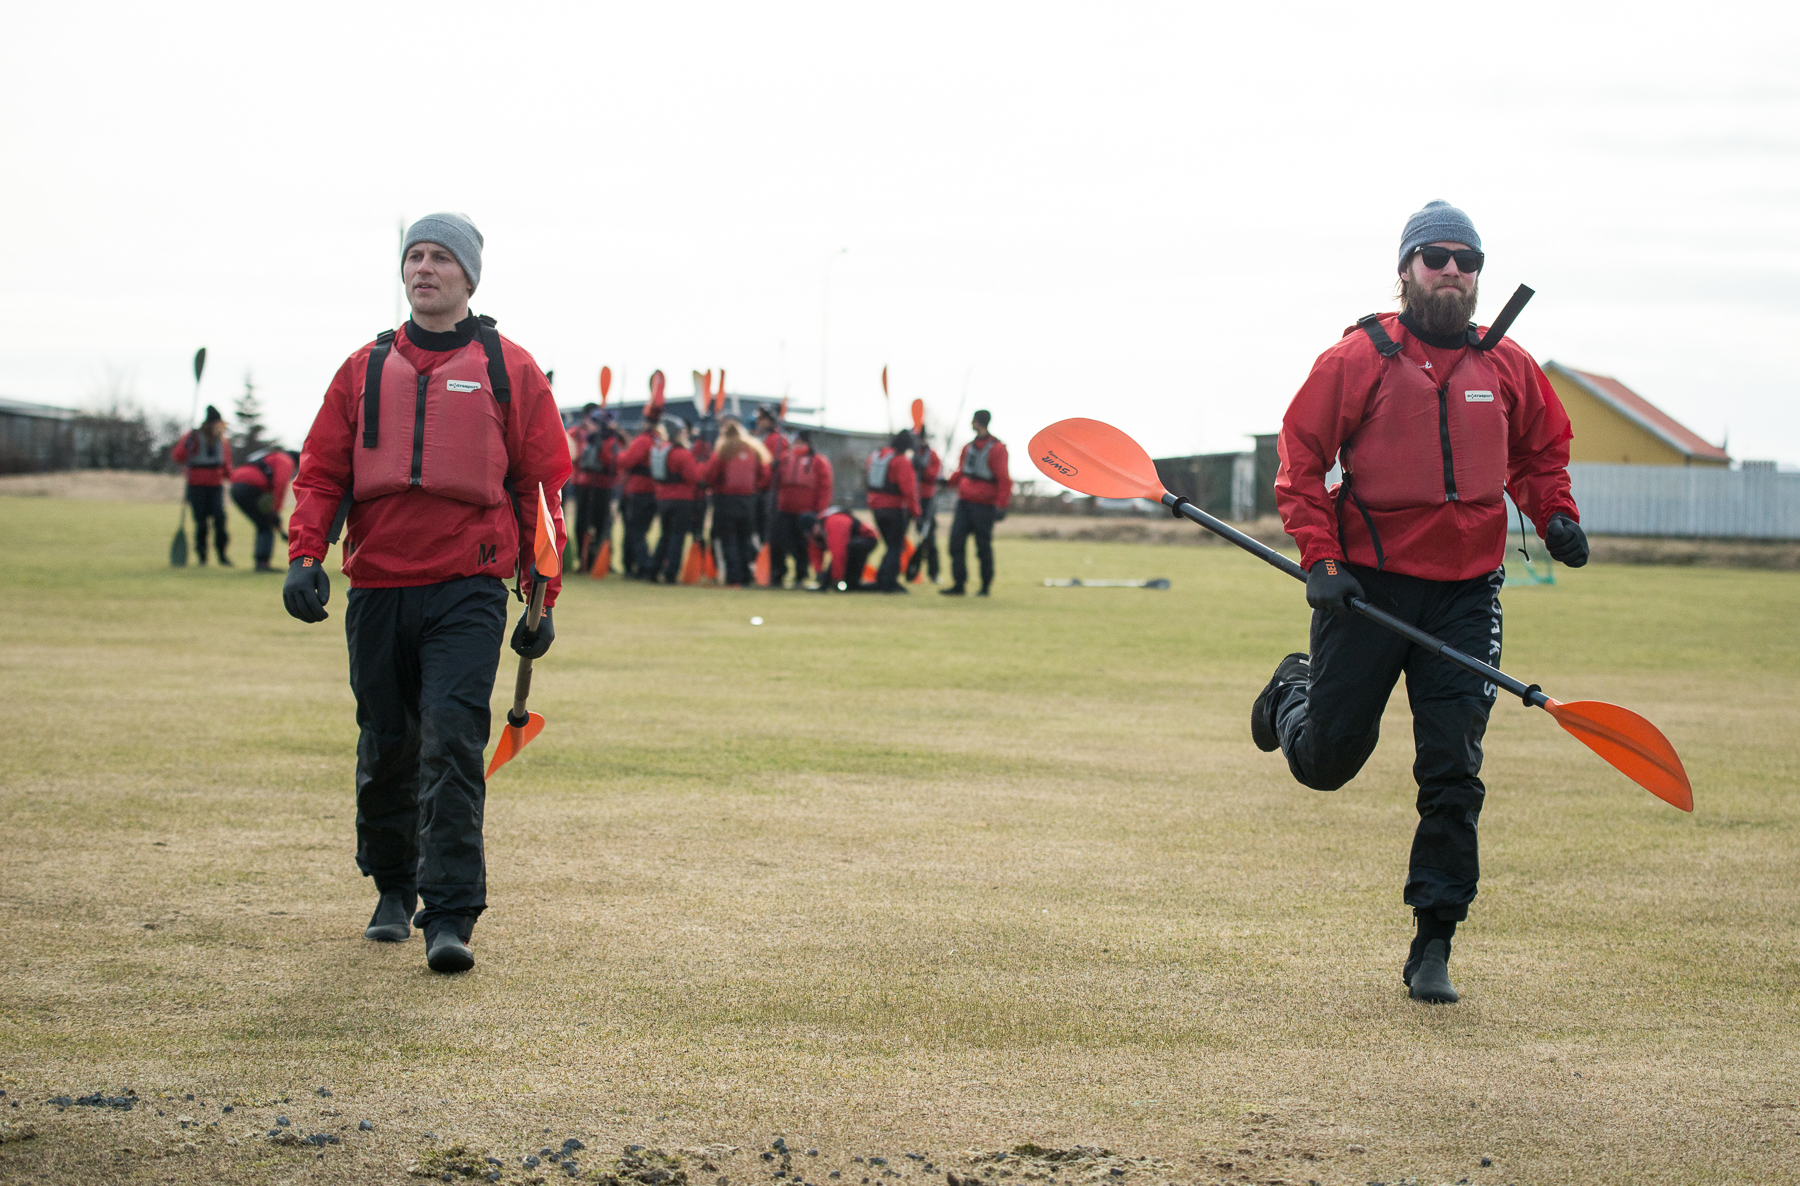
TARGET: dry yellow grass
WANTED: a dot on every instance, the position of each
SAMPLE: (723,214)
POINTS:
(889,875)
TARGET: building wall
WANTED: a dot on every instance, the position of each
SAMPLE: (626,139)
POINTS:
(1603,436)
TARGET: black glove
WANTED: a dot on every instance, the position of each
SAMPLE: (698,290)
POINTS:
(306,590)
(1330,586)
(1566,540)
(530,645)
(999,514)
(807,522)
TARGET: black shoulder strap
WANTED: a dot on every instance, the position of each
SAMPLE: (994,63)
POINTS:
(1504,322)
(372,388)
(490,341)
(1384,345)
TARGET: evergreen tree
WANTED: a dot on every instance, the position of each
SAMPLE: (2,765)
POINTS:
(252,435)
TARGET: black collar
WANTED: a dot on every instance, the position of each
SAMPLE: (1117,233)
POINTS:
(1454,341)
(454,339)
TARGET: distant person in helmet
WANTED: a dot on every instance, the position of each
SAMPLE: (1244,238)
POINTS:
(429,453)
(894,502)
(259,487)
(206,452)
(849,541)
(983,490)
(1430,427)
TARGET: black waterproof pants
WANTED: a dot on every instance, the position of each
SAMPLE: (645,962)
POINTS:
(593,522)
(733,521)
(1329,728)
(677,516)
(639,511)
(861,547)
(789,540)
(209,505)
(251,500)
(891,522)
(422,664)
(976,519)
(925,553)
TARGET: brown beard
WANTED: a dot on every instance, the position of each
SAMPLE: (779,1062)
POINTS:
(1444,312)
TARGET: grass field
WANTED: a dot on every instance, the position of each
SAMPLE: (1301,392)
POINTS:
(888,876)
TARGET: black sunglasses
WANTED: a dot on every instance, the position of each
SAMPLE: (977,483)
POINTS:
(1468,261)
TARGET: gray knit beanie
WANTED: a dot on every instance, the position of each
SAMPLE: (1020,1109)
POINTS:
(453,231)
(1438,222)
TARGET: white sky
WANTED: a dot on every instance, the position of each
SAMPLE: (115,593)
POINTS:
(1157,215)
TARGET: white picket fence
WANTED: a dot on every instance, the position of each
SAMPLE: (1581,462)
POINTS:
(1694,501)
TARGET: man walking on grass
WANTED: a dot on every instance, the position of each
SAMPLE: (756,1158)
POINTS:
(1430,429)
(428,454)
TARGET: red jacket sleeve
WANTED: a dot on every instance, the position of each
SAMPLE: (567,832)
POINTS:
(713,472)
(538,448)
(636,453)
(179,454)
(822,483)
(1002,479)
(1537,462)
(325,464)
(908,481)
(282,466)
(1326,410)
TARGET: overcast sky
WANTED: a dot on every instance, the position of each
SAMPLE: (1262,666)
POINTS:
(1158,215)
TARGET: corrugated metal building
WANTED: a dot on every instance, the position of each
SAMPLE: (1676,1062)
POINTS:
(36,437)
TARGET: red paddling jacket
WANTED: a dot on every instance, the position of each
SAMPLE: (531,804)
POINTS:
(744,473)
(420,436)
(804,486)
(634,463)
(208,462)
(892,483)
(1429,434)
(981,473)
(674,471)
(272,472)
(833,534)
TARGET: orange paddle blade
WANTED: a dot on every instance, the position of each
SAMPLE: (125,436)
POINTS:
(1095,458)
(513,740)
(602,562)
(719,395)
(918,415)
(544,548)
(759,571)
(605,384)
(1635,747)
(884,389)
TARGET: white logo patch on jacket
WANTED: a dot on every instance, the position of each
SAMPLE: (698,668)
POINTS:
(1479,397)
(467,385)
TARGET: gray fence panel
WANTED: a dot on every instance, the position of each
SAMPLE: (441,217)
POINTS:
(1687,501)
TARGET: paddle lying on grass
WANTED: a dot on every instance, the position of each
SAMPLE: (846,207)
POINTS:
(522,726)
(1078,583)
(1097,459)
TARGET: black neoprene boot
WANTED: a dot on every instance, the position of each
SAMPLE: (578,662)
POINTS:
(446,948)
(392,918)
(1427,972)
(1293,671)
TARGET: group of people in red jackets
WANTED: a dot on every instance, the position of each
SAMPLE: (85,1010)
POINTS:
(771,489)
(259,487)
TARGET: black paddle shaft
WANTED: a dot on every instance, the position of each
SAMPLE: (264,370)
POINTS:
(1531,694)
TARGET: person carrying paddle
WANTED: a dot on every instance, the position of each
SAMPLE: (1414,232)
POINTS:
(595,442)
(983,490)
(429,453)
(206,452)
(894,502)
(927,468)
(1432,422)
(259,487)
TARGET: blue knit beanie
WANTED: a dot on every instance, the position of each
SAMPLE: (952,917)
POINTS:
(456,233)
(1438,222)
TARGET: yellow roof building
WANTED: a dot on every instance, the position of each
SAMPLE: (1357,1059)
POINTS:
(1615,425)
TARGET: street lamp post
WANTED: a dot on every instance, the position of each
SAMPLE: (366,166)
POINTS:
(824,329)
